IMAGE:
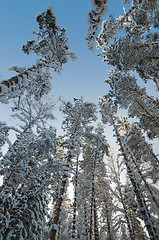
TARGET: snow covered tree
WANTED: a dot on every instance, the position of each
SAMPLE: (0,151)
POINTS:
(142,151)
(38,166)
(27,170)
(93,171)
(120,211)
(129,95)
(53,48)
(108,109)
(136,50)
(106,209)
(30,159)
(133,213)
(83,206)
(125,209)
(76,119)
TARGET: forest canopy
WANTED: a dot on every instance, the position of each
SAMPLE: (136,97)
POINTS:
(113,195)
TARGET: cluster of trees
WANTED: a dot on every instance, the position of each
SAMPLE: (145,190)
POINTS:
(114,197)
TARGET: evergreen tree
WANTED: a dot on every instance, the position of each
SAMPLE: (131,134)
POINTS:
(93,168)
(53,48)
(121,219)
(27,168)
(108,110)
(77,117)
(136,50)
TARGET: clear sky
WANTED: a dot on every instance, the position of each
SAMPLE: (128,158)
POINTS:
(84,77)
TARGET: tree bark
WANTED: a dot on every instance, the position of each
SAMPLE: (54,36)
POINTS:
(96,232)
(75,201)
(55,221)
(108,224)
(15,80)
(91,222)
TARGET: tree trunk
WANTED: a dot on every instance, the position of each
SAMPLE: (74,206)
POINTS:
(75,201)
(86,222)
(91,222)
(55,221)
(96,233)
(53,231)
(15,80)
(108,224)
(132,237)
(153,198)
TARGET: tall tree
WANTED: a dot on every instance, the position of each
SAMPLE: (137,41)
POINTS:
(77,117)
(94,150)
(27,168)
(136,50)
(108,110)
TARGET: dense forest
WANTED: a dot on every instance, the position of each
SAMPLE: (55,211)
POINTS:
(113,195)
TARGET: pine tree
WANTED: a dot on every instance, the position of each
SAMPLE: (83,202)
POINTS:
(94,19)
(108,110)
(53,48)
(133,213)
(25,172)
(77,117)
(38,165)
(93,152)
(135,51)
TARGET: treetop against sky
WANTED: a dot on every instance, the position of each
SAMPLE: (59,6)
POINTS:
(82,77)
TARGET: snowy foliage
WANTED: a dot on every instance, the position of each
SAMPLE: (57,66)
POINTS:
(142,150)
(108,109)
(91,183)
(53,47)
(137,50)
(129,95)
(27,172)
(33,80)
(52,44)
(78,115)
(94,18)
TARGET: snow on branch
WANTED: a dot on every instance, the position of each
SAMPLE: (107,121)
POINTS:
(94,18)
(51,45)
